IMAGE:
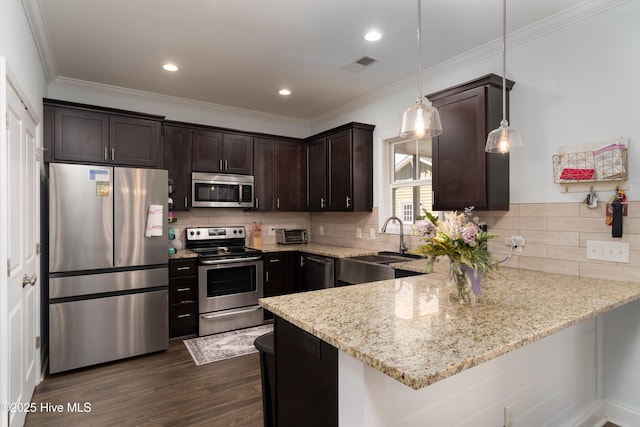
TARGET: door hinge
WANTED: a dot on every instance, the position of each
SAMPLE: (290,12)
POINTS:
(7,121)
(8,267)
(38,341)
(38,248)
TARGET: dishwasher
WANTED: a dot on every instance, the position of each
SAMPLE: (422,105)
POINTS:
(317,272)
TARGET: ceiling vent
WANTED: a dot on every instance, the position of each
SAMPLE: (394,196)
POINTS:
(360,64)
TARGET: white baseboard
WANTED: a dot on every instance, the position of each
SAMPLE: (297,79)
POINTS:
(622,415)
(594,417)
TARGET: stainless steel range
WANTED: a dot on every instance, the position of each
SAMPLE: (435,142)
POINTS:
(229,279)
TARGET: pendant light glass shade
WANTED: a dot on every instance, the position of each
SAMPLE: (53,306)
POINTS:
(505,138)
(421,120)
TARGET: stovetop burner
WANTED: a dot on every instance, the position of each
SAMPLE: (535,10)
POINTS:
(219,242)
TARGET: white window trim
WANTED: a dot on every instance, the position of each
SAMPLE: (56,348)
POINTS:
(385,181)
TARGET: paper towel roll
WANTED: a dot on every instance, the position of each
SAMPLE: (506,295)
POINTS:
(155,219)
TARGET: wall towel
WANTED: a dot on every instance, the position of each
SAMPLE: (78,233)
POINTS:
(155,218)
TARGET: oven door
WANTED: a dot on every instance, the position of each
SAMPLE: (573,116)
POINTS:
(229,285)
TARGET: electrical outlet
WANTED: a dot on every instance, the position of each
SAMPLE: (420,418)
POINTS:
(372,233)
(359,233)
(516,242)
(509,415)
(608,251)
(272,231)
(321,230)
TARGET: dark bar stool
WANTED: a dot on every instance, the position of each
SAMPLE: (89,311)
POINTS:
(265,345)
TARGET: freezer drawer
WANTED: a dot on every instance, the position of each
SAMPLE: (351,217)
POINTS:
(92,331)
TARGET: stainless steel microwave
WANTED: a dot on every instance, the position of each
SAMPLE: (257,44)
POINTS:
(211,190)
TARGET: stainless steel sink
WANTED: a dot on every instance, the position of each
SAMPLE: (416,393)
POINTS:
(369,268)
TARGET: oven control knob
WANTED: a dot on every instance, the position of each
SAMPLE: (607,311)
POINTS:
(198,233)
(191,233)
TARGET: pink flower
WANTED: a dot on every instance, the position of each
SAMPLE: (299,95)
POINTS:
(469,233)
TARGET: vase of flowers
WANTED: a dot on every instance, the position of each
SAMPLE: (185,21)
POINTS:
(460,237)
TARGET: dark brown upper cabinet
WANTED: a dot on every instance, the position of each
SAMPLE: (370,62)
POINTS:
(278,174)
(215,151)
(340,169)
(464,174)
(85,134)
(177,161)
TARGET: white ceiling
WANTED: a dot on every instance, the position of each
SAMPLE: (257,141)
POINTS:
(239,53)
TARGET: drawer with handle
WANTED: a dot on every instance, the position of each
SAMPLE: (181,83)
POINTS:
(183,268)
(183,290)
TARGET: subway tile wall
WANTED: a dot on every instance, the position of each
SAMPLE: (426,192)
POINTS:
(556,234)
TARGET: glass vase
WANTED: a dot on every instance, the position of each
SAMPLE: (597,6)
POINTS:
(460,287)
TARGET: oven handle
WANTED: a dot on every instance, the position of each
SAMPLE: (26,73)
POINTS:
(233,313)
(231,260)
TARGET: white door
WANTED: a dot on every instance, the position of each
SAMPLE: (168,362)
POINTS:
(20,217)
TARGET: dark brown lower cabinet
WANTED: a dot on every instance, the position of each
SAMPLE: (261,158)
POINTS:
(183,297)
(306,378)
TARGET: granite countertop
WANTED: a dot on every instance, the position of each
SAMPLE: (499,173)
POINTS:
(183,254)
(311,248)
(409,329)
(317,249)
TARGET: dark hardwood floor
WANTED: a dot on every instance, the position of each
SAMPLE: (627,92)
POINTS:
(161,389)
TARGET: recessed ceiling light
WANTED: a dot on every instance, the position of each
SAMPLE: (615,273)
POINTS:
(373,36)
(170,67)
(284,92)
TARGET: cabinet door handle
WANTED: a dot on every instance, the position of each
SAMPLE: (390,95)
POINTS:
(348,201)
(180,316)
(278,203)
(257,203)
(266,278)
(226,165)
(220,164)
(105,154)
(183,289)
(183,268)
(274,260)
(186,204)
(322,203)
(113,154)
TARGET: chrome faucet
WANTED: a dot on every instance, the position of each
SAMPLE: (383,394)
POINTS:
(403,248)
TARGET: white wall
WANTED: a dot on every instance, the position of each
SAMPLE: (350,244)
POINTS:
(575,85)
(621,358)
(17,45)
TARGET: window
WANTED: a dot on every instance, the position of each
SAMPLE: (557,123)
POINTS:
(411,177)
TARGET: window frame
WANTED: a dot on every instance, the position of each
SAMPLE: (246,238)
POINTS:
(392,185)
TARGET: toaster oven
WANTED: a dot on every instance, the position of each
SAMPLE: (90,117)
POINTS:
(291,237)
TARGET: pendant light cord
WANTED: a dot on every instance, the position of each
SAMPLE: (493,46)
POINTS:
(504,60)
(419,52)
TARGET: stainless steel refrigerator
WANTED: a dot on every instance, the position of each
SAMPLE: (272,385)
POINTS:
(108,273)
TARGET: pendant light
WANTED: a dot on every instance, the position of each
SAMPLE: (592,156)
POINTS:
(421,120)
(505,138)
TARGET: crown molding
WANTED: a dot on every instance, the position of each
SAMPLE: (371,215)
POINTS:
(135,94)
(35,17)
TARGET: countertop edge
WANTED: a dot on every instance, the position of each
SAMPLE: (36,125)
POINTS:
(421,381)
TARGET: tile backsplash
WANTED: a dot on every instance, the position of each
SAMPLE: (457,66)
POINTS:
(556,234)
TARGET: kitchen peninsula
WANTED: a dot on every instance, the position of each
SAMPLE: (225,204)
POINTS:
(407,356)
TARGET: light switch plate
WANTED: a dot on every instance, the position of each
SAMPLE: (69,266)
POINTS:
(608,251)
